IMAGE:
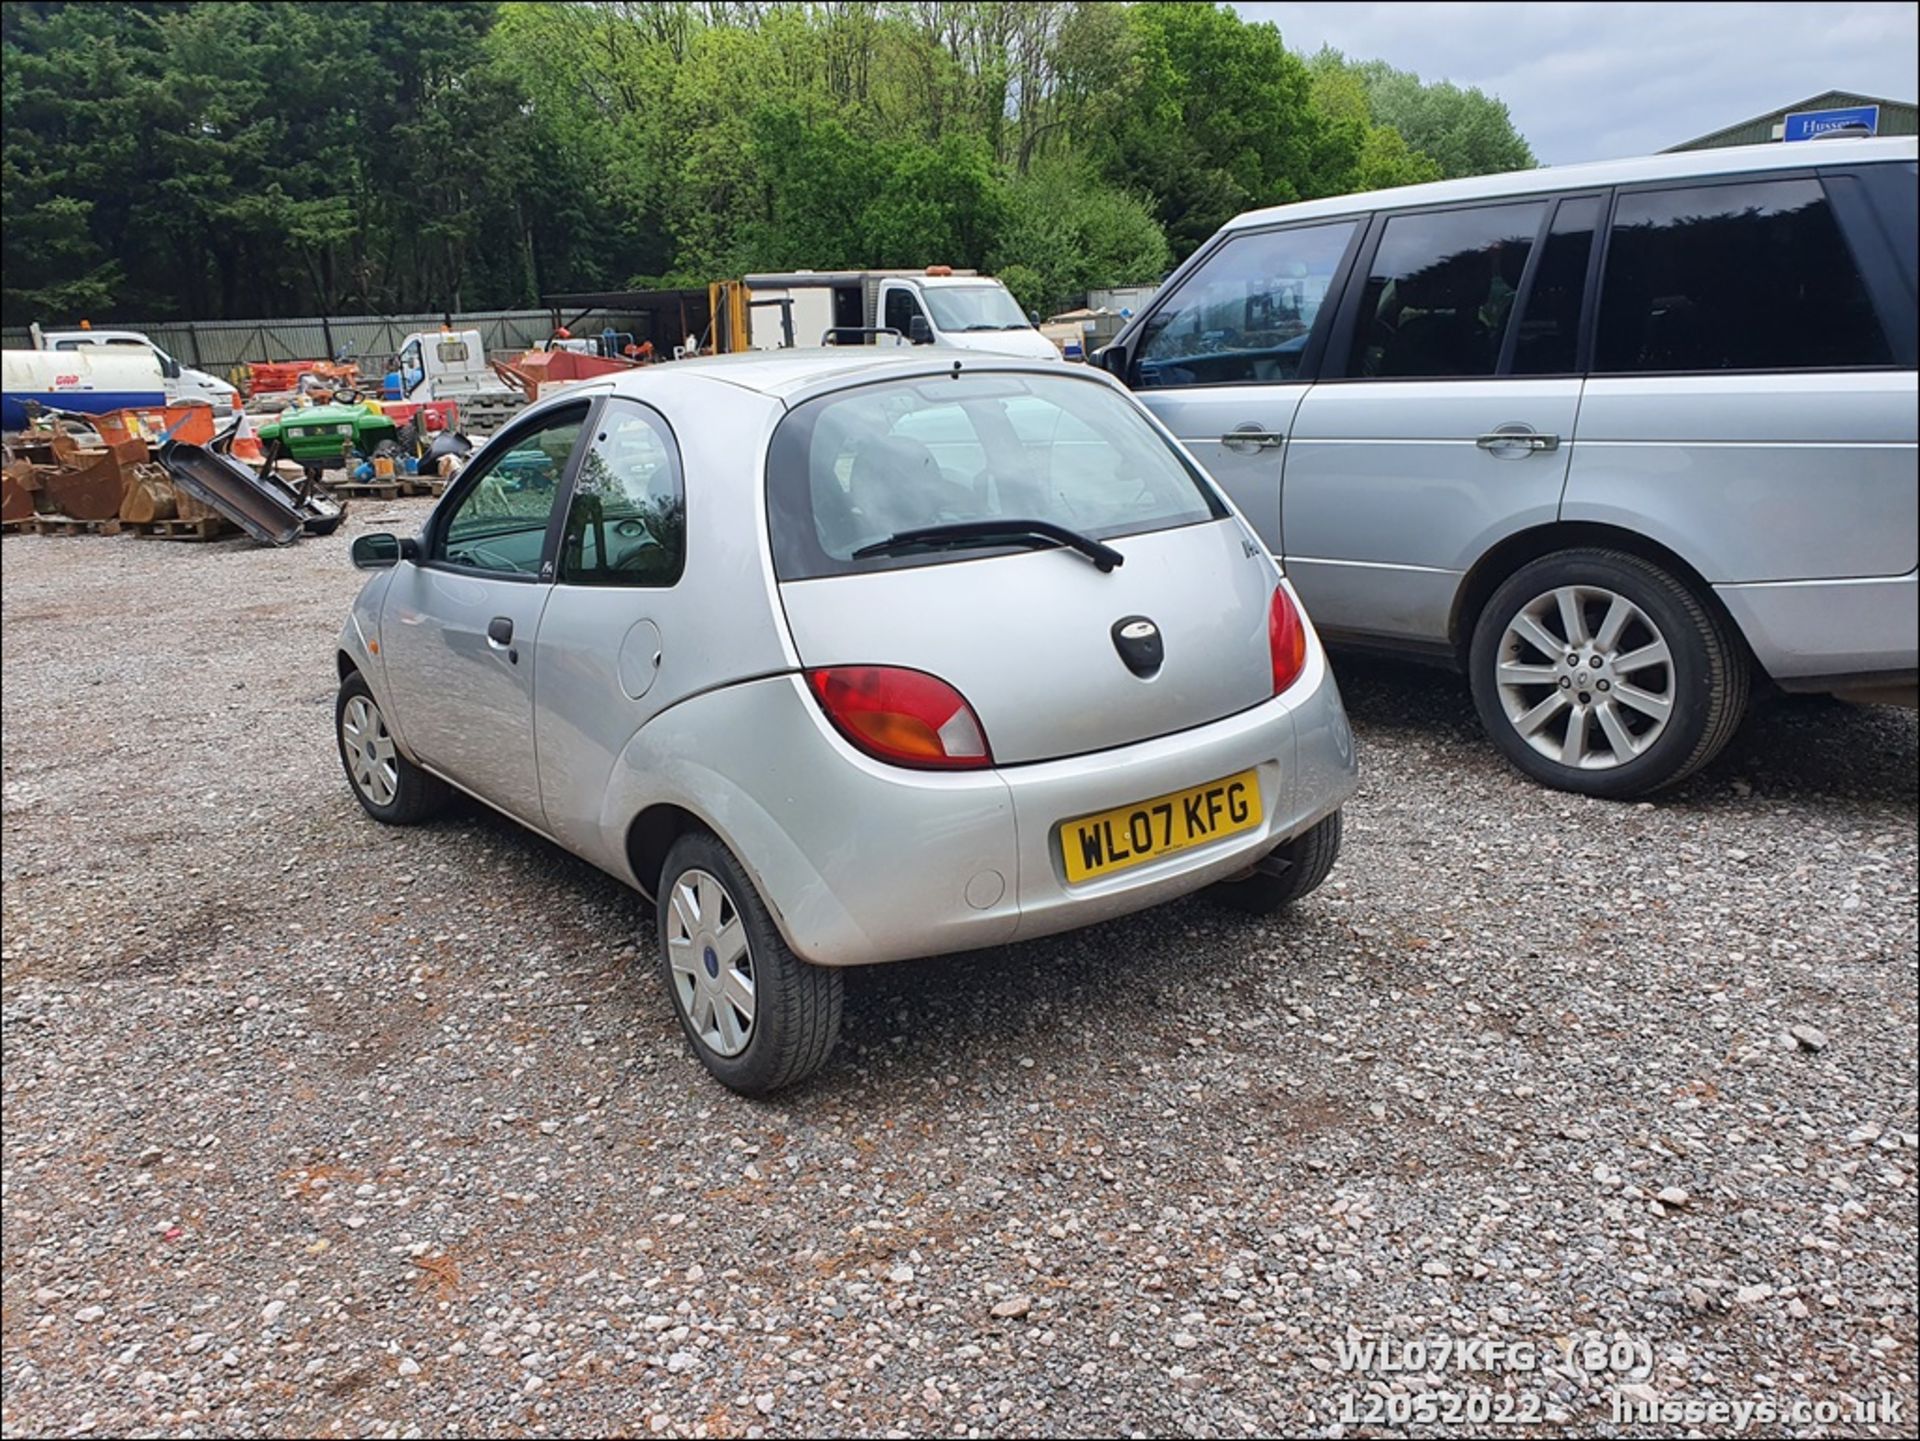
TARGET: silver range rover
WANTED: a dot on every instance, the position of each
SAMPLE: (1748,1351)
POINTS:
(1621,441)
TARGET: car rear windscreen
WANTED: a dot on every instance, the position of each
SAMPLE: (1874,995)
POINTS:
(859,466)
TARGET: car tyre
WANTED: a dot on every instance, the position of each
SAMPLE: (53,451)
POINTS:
(389,787)
(1671,688)
(1289,872)
(715,932)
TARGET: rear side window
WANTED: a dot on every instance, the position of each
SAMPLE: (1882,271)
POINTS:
(1441,290)
(627,522)
(1247,313)
(862,465)
(1753,276)
(1549,328)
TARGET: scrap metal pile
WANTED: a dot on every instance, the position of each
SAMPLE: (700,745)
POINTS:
(162,473)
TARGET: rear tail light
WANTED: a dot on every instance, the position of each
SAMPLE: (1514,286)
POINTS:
(1287,636)
(903,716)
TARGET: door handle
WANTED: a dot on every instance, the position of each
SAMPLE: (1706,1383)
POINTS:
(1245,439)
(1516,441)
(500,631)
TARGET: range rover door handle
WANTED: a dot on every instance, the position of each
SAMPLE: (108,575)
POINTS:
(1251,437)
(1515,441)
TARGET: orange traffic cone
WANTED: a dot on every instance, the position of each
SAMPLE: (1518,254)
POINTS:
(246,445)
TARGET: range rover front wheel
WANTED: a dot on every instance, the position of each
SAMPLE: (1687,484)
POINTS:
(1598,672)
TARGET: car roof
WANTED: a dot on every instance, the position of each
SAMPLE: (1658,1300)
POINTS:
(785,374)
(1680,165)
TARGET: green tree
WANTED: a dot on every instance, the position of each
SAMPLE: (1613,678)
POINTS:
(1464,132)
(185,157)
(1066,233)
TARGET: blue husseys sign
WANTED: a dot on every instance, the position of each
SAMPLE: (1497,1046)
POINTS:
(1807,124)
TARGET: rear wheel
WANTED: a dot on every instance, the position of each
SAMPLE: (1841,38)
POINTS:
(1598,672)
(758,1017)
(390,788)
(1287,873)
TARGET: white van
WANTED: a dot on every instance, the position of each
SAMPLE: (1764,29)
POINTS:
(1618,440)
(183,382)
(935,306)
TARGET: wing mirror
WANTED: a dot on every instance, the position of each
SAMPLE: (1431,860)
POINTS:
(1112,359)
(919,332)
(380,550)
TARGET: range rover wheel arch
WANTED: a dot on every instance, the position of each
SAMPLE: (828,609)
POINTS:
(1491,571)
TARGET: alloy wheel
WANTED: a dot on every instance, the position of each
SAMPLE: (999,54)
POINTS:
(1585,677)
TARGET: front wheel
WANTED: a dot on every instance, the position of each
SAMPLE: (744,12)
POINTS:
(758,1017)
(390,788)
(1598,672)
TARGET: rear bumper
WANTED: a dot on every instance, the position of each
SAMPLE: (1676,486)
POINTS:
(982,865)
(1803,630)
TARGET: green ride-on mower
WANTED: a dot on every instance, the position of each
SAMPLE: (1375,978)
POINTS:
(331,436)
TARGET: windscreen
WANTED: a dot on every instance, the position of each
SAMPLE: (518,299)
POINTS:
(859,466)
(973,307)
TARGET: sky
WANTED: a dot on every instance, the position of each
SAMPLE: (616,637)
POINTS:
(1598,81)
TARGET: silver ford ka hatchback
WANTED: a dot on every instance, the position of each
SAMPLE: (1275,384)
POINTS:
(844,657)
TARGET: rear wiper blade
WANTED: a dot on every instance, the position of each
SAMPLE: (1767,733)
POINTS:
(977,532)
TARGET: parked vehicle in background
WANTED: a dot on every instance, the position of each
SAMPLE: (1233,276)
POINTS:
(444,365)
(90,382)
(935,306)
(334,435)
(1617,439)
(846,657)
(183,384)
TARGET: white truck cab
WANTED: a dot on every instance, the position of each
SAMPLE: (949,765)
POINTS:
(443,365)
(183,383)
(936,306)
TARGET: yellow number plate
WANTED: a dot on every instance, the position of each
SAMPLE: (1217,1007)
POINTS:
(1113,840)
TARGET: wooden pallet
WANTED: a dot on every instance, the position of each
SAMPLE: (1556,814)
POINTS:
(67,525)
(208,527)
(386,489)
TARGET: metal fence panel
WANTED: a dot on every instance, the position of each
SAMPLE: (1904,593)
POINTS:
(222,345)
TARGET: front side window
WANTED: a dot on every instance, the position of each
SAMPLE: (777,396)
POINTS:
(857,468)
(500,522)
(974,307)
(900,311)
(1754,276)
(1440,291)
(627,523)
(413,368)
(1247,313)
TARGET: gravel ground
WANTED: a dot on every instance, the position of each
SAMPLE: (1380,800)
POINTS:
(314,1127)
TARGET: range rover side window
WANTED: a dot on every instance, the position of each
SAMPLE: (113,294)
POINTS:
(1549,326)
(1441,290)
(1753,276)
(1247,313)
